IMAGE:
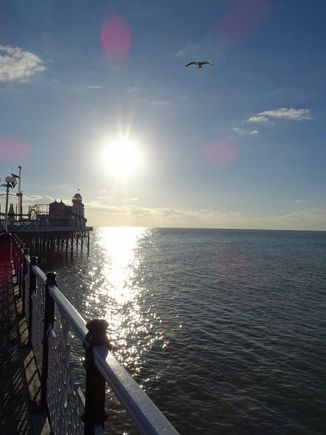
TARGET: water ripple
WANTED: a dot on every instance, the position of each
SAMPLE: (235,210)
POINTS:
(225,330)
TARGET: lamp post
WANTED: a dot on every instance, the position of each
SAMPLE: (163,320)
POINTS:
(11,182)
(19,194)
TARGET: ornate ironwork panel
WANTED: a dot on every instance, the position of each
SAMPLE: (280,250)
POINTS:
(65,400)
(26,295)
(37,324)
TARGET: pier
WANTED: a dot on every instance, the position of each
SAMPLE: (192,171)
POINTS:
(61,239)
(19,378)
(55,226)
(39,388)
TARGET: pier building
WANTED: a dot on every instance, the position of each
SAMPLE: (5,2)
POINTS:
(49,226)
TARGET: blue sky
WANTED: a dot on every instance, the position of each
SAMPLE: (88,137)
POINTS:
(240,144)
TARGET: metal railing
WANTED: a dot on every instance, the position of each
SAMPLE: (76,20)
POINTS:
(51,320)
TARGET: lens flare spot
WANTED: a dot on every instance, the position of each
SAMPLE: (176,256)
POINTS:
(116,38)
(13,149)
(242,17)
(220,152)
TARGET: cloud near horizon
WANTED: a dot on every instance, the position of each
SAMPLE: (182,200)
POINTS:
(100,214)
(18,64)
(281,113)
(37,199)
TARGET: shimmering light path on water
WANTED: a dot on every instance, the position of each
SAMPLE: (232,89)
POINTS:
(225,330)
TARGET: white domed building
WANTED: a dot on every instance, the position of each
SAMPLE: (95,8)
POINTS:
(78,212)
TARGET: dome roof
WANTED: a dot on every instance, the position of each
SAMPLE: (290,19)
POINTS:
(77,199)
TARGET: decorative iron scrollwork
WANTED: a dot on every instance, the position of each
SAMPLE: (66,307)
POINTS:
(65,399)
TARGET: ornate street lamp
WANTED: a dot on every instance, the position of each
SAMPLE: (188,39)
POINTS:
(10,183)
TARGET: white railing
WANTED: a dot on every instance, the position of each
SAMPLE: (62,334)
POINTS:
(51,321)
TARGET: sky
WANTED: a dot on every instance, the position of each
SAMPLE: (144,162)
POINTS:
(236,144)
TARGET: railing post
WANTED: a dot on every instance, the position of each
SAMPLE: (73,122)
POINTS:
(94,414)
(31,292)
(25,271)
(48,325)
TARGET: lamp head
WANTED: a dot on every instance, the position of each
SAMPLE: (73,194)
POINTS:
(11,181)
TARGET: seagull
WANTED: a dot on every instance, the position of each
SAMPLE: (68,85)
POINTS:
(200,63)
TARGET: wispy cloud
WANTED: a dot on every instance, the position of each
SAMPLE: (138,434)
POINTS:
(134,90)
(37,199)
(302,201)
(281,113)
(162,103)
(153,98)
(18,64)
(190,49)
(243,131)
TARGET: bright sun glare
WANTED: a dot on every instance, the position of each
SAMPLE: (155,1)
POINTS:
(121,157)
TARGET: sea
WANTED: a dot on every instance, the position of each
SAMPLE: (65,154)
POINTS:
(225,330)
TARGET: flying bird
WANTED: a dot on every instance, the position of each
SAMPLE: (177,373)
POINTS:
(199,64)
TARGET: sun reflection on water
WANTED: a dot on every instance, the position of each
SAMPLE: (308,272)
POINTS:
(118,290)
(120,261)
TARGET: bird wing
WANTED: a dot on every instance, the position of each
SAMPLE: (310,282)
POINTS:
(191,63)
(205,62)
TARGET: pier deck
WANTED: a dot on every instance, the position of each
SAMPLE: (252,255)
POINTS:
(19,381)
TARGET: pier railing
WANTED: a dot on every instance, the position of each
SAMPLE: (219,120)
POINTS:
(52,320)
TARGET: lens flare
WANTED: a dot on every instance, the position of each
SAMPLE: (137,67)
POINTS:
(220,152)
(13,149)
(242,17)
(116,38)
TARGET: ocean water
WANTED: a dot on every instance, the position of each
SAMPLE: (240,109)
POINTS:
(224,330)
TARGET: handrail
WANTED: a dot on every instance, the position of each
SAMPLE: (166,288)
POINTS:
(146,416)
(76,321)
(144,413)
(43,229)
(39,273)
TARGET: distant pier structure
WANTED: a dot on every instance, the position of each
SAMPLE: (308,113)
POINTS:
(54,226)
(61,227)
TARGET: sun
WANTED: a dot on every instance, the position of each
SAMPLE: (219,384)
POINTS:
(121,157)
